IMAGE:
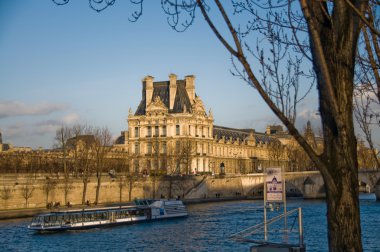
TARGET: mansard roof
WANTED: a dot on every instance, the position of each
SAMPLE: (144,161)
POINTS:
(240,134)
(120,139)
(161,89)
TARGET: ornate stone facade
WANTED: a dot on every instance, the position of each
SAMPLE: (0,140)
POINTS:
(171,132)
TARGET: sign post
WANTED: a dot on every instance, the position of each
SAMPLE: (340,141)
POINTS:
(274,191)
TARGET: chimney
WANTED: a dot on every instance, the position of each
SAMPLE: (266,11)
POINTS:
(172,89)
(148,83)
(190,87)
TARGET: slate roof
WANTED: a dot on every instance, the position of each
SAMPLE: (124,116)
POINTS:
(120,139)
(240,134)
(161,89)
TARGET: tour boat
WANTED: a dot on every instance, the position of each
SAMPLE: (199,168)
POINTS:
(144,210)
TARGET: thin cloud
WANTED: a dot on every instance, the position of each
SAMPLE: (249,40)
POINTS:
(15,108)
(15,130)
(22,132)
(70,118)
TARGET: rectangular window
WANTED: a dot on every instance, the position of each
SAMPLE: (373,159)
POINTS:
(189,130)
(156,131)
(136,132)
(177,130)
(137,149)
(196,131)
(149,133)
(164,147)
(164,131)
(149,148)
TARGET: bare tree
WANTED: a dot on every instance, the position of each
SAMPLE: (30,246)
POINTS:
(324,32)
(276,152)
(27,190)
(61,136)
(5,194)
(366,159)
(367,119)
(82,148)
(49,185)
(367,80)
(188,149)
(102,146)
(154,152)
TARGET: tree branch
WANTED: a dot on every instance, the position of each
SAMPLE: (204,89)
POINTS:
(239,54)
(319,54)
(215,30)
(362,17)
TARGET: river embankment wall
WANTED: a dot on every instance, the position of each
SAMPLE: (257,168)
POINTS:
(28,191)
(18,191)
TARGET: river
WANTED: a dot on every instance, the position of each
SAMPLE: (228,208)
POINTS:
(206,229)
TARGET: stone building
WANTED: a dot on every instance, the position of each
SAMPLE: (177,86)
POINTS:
(171,133)
(7,147)
(169,128)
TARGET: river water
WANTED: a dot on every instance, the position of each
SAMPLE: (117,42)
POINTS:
(206,229)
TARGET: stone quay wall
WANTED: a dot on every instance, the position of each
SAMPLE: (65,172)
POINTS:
(14,189)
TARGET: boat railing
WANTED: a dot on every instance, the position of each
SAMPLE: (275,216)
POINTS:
(143,202)
(243,236)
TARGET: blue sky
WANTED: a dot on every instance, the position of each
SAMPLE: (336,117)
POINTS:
(69,64)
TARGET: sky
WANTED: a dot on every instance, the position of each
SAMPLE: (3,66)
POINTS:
(62,65)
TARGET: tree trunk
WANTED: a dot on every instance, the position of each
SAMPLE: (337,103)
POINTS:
(344,217)
(47,197)
(66,187)
(333,41)
(84,191)
(130,190)
(341,173)
(120,193)
(154,185)
(170,186)
(99,183)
